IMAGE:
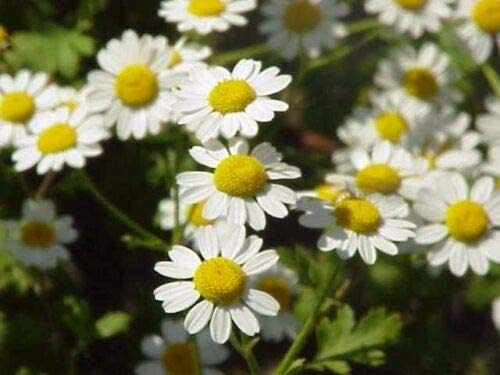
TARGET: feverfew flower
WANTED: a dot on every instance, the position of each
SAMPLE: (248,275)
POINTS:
(295,26)
(183,55)
(411,16)
(461,223)
(60,137)
(240,187)
(173,354)
(22,97)
(72,98)
(38,239)
(205,16)
(425,75)
(214,101)
(359,224)
(480,27)
(134,87)
(220,280)
(280,283)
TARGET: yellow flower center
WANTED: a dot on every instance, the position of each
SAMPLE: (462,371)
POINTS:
(56,138)
(175,58)
(486,14)
(278,288)
(358,215)
(420,82)
(327,192)
(37,234)
(410,4)
(378,178)
(232,95)
(179,359)
(391,126)
(17,106)
(206,8)
(70,104)
(136,85)
(301,16)
(240,176)
(194,215)
(220,280)
(466,221)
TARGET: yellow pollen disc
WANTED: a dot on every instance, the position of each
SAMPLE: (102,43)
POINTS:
(206,8)
(327,192)
(391,126)
(410,4)
(71,105)
(278,288)
(175,58)
(179,359)
(136,85)
(378,178)
(301,16)
(420,82)
(486,14)
(220,280)
(56,138)
(37,234)
(240,176)
(466,221)
(17,106)
(231,96)
(358,215)
(194,215)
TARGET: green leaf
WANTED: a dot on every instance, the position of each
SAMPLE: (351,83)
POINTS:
(338,367)
(75,316)
(112,324)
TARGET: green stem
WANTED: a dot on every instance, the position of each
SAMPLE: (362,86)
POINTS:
(309,325)
(119,214)
(492,77)
(246,354)
(362,25)
(238,54)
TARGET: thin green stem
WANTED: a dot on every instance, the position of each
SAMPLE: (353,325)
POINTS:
(309,325)
(492,77)
(246,353)
(119,214)
(362,25)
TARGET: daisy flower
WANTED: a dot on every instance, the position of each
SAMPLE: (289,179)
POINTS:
(214,101)
(21,97)
(173,354)
(240,187)
(133,88)
(325,191)
(425,76)
(295,26)
(38,239)
(387,170)
(411,16)
(60,137)
(359,224)
(205,16)
(461,223)
(220,280)
(280,283)
(480,25)
(184,55)
(72,98)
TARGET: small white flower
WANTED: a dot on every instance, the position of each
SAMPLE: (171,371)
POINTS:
(134,87)
(72,98)
(411,16)
(214,101)
(38,239)
(495,312)
(21,98)
(240,187)
(183,56)
(205,16)
(425,76)
(295,26)
(480,25)
(462,223)
(220,280)
(59,137)
(173,354)
(359,224)
(280,283)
